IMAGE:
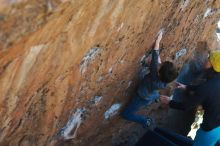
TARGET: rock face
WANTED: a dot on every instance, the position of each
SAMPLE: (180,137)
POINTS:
(22,18)
(66,81)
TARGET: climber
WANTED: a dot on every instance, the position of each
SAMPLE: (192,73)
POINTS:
(147,91)
(207,95)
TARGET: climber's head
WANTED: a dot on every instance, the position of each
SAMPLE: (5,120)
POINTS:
(167,72)
(202,49)
(201,54)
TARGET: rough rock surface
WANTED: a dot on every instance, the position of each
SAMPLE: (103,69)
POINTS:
(19,18)
(68,75)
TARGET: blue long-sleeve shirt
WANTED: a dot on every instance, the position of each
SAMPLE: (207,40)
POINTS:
(148,87)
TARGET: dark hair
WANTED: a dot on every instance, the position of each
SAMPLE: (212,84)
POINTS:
(167,72)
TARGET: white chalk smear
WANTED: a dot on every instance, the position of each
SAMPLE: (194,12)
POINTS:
(69,131)
(96,99)
(112,110)
(90,55)
(208,12)
(180,53)
(184,4)
(218,31)
(110,70)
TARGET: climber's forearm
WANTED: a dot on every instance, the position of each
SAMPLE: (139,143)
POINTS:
(157,45)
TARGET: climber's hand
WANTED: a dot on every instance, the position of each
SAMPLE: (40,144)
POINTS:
(159,37)
(180,85)
(164,99)
(157,43)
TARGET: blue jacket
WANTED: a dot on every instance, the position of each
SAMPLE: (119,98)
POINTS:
(148,87)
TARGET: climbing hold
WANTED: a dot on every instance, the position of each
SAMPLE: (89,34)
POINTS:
(96,99)
(180,53)
(112,110)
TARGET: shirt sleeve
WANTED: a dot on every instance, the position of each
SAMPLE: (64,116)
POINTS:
(154,65)
(193,99)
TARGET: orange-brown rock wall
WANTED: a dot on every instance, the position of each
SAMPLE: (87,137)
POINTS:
(73,75)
